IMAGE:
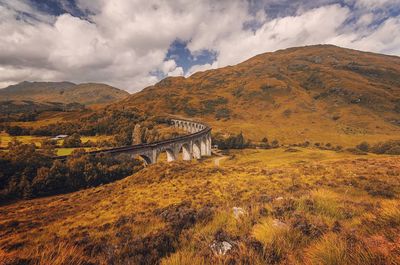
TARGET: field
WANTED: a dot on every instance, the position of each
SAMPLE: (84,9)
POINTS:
(37,140)
(280,206)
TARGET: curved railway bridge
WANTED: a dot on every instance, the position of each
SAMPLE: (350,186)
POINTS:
(192,146)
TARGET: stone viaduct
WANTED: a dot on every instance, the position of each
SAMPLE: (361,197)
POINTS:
(192,146)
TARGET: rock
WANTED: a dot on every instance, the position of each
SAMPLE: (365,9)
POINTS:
(279,198)
(278,223)
(317,59)
(238,211)
(221,248)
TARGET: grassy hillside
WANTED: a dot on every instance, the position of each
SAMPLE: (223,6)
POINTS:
(342,209)
(317,93)
(63,92)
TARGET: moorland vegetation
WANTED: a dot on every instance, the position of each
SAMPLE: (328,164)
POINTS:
(272,206)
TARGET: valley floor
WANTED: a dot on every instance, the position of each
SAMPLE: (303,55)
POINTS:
(280,206)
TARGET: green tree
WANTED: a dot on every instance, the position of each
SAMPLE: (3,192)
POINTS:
(48,147)
(72,141)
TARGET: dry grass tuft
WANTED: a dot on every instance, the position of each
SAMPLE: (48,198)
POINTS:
(183,258)
(329,250)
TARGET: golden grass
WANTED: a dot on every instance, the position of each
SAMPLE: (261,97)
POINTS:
(183,258)
(68,151)
(267,232)
(329,250)
(389,214)
(172,212)
(6,138)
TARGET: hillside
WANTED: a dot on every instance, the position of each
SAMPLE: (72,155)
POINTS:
(319,93)
(26,106)
(63,92)
(266,206)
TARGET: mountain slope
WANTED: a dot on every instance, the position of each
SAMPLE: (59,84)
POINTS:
(63,92)
(316,93)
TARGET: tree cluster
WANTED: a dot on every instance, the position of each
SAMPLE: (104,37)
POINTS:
(231,142)
(391,147)
(28,172)
(104,122)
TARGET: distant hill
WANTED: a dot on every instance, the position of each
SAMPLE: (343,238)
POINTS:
(17,106)
(319,93)
(62,92)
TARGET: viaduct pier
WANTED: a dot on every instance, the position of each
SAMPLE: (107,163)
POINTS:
(194,145)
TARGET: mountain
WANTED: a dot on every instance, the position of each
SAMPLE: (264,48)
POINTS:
(320,93)
(63,92)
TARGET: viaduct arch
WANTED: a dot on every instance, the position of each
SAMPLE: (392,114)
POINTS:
(192,146)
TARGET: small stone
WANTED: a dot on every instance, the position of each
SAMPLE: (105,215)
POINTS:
(238,211)
(279,198)
(221,248)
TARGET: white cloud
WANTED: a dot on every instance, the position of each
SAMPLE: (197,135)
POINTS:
(314,26)
(178,71)
(375,3)
(201,67)
(123,41)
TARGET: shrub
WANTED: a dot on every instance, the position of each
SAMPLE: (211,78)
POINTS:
(364,146)
(308,228)
(266,87)
(382,189)
(238,92)
(395,150)
(355,151)
(275,143)
(391,147)
(223,113)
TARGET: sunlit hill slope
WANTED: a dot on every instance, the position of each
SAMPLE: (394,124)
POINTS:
(62,92)
(317,93)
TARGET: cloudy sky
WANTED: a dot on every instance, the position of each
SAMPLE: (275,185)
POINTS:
(131,44)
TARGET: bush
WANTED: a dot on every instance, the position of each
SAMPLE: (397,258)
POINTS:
(364,146)
(223,113)
(238,92)
(381,189)
(266,87)
(391,147)
(275,143)
(355,151)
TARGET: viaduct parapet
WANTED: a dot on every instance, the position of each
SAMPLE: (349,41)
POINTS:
(191,146)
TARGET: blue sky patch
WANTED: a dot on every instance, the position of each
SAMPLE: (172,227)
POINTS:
(179,52)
